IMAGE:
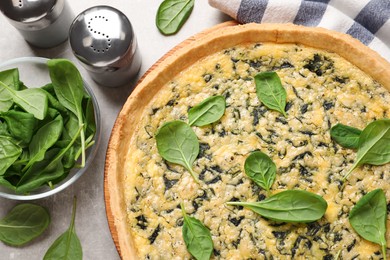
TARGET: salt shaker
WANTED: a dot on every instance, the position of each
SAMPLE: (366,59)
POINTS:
(43,23)
(103,40)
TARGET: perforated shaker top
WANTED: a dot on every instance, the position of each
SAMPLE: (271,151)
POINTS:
(101,36)
(31,13)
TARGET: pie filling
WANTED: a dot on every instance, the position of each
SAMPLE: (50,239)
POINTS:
(323,89)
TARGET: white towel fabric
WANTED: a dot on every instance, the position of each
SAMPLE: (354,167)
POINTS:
(366,20)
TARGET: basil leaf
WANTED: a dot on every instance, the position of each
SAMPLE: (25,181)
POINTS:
(9,153)
(177,143)
(21,125)
(368,218)
(32,100)
(270,91)
(197,237)
(260,169)
(67,246)
(23,223)
(45,137)
(11,79)
(373,146)
(69,88)
(289,206)
(346,136)
(208,111)
(172,14)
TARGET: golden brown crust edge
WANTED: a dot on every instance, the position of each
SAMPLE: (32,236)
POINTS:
(220,37)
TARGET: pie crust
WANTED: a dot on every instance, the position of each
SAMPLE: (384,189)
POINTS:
(220,37)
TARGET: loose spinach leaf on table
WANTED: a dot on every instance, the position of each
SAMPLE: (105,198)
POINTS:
(23,223)
(346,136)
(172,14)
(21,125)
(368,218)
(9,153)
(32,100)
(289,206)
(270,91)
(67,246)
(197,237)
(11,79)
(69,88)
(373,145)
(208,111)
(177,143)
(260,169)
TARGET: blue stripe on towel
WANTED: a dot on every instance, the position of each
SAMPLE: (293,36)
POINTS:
(251,11)
(374,15)
(359,32)
(310,12)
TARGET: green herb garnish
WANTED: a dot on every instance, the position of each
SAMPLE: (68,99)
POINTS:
(197,237)
(208,111)
(346,136)
(260,169)
(289,206)
(177,143)
(373,145)
(270,91)
(368,218)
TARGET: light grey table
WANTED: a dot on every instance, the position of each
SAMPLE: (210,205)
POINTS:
(91,222)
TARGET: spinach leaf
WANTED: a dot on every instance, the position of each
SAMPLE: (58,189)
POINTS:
(172,14)
(346,136)
(289,206)
(69,89)
(32,100)
(368,218)
(21,125)
(23,223)
(54,103)
(41,172)
(4,129)
(90,116)
(4,182)
(197,237)
(373,145)
(208,111)
(50,168)
(260,169)
(177,143)
(9,78)
(270,91)
(44,138)
(67,246)
(9,153)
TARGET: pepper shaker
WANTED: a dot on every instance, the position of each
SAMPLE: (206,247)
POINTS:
(103,40)
(43,23)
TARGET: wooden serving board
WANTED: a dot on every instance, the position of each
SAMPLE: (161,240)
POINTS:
(172,52)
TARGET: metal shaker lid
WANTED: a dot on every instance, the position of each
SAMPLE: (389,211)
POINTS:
(31,14)
(101,36)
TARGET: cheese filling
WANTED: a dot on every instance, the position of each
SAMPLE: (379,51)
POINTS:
(322,90)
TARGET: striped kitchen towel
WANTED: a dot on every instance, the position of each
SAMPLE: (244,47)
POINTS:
(366,20)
